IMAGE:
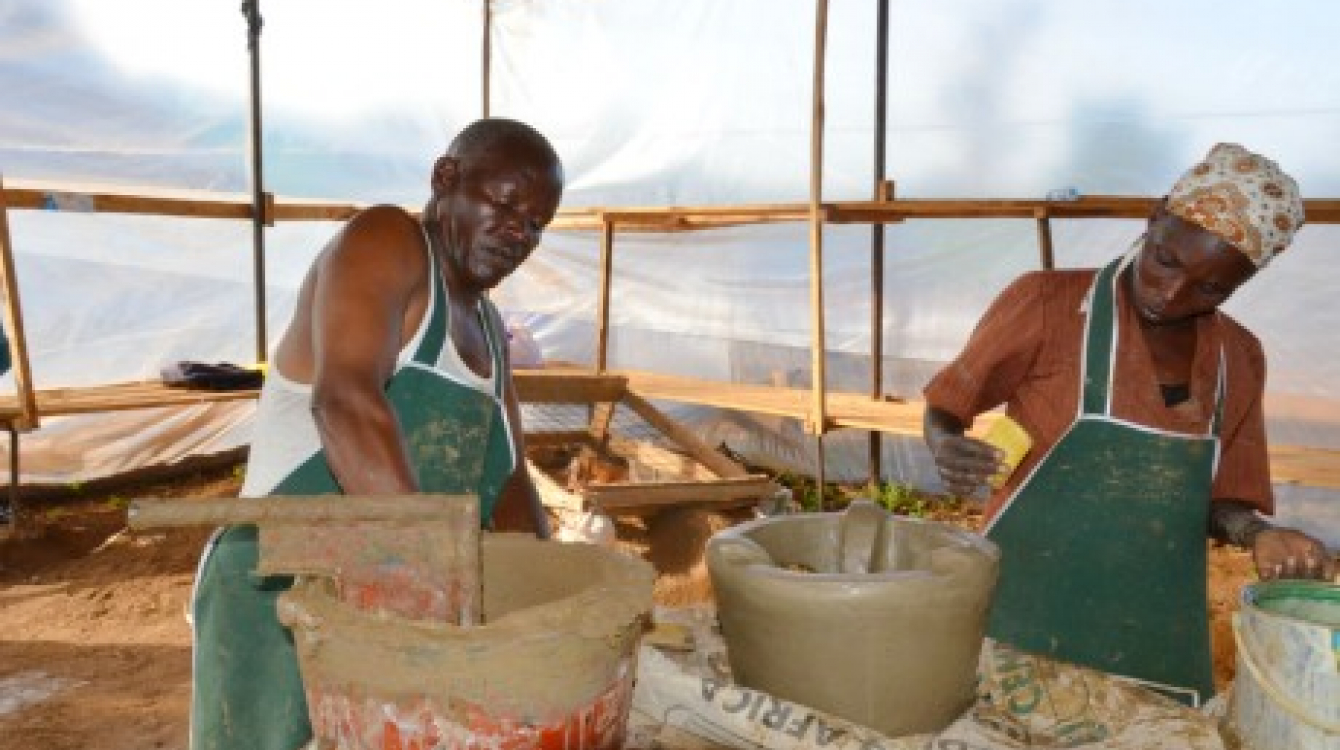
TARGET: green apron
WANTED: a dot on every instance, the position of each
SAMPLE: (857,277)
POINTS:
(1103,544)
(247,689)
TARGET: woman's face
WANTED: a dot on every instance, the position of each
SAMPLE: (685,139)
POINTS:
(1184,271)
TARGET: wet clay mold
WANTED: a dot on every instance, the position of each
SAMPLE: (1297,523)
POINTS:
(873,617)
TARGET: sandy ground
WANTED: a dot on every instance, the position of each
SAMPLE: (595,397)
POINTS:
(95,651)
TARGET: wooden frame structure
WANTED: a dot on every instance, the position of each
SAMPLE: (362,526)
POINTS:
(820,410)
(841,410)
(731,486)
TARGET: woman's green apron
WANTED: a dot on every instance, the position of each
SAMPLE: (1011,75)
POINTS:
(248,693)
(1103,543)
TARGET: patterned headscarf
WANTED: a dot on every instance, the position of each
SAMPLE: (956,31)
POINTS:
(1244,198)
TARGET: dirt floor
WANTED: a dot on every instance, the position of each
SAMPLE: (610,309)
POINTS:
(95,650)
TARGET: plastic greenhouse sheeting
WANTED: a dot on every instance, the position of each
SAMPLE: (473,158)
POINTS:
(649,102)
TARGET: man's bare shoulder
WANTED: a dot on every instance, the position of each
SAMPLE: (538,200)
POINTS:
(382,236)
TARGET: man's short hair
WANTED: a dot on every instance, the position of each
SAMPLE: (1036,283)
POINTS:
(491,133)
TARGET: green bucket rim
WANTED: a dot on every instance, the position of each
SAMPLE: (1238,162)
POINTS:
(1257,594)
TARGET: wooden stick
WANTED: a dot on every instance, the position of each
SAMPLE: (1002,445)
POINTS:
(691,443)
(603,303)
(28,417)
(1045,250)
(818,345)
(144,514)
(486,65)
(649,218)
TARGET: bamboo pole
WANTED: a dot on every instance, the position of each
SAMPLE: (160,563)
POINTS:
(486,66)
(818,345)
(208,205)
(603,304)
(251,10)
(28,416)
(877,233)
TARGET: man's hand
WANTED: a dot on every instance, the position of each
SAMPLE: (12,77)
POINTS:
(1288,553)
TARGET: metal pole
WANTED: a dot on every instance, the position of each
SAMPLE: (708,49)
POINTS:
(819,416)
(877,234)
(251,10)
(487,47)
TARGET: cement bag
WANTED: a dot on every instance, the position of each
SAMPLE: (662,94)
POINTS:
(1023,702)
(1029,701)
(668,700)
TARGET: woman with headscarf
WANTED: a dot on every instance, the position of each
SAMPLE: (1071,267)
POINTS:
(1144,405)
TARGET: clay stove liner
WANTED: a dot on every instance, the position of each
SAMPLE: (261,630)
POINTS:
(561,625)
(873,617)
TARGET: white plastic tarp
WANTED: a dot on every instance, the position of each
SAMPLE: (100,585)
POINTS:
(650,102)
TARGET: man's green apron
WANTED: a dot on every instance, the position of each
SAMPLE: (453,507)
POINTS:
(248,693)
(1103,545)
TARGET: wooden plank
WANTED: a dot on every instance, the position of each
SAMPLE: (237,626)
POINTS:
(602,415)
(545,438)
(850,410)
(24,414)
(301,511)
(119,203)
(52,402)
(622,497)
(699,450)
(567,386)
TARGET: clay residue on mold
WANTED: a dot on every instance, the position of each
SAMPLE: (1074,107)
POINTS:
(561,623)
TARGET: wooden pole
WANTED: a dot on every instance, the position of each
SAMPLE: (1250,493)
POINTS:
(1045,250)
(251,10)
(877,234)
(818,347)
(18,340)
(603,311)
(487,66)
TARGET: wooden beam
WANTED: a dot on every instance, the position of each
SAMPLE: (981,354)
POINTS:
(557,438)
(695,446)
(129,396)
(567,387)
(25,414)
(626,497)
(602,415)
(205,205)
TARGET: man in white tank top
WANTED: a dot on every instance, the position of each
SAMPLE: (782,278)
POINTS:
(392,378)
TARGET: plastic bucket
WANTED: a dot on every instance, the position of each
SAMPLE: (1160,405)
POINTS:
(551,666)
(875,618)
(1287,691)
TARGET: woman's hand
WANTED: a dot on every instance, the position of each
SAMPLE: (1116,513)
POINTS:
(1288,553)
(965,463)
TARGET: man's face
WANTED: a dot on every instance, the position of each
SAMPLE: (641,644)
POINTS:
(1184,271)
(493,210)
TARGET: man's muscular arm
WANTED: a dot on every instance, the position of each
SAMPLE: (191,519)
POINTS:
(365,284)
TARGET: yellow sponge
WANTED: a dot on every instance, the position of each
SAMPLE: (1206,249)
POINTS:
(1013,441)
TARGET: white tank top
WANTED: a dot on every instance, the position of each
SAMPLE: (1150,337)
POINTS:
(284,432)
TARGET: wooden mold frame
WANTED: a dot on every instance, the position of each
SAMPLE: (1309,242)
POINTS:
(696,476)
